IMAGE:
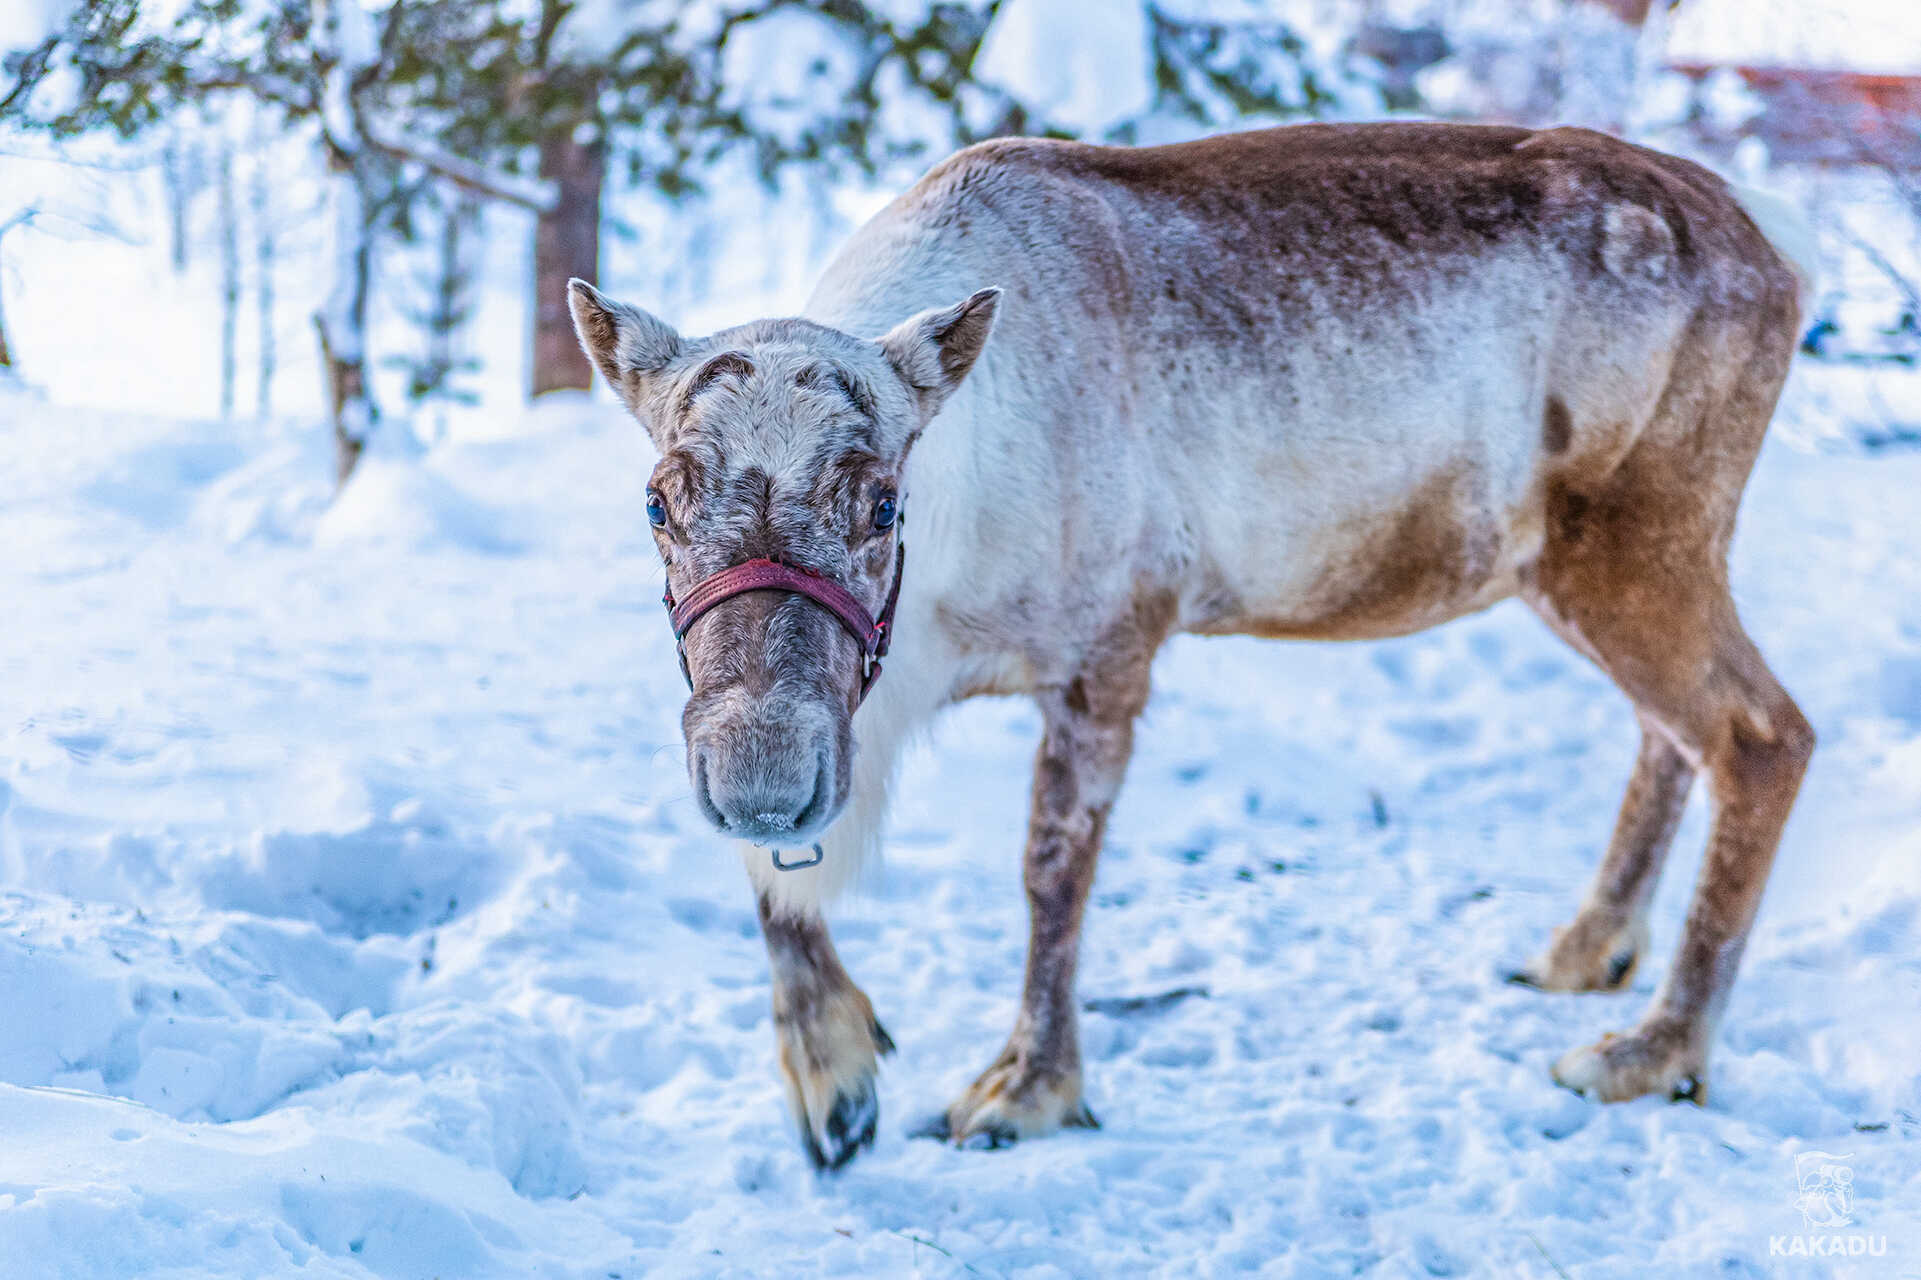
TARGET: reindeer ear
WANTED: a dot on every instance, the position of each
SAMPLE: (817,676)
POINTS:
(626,344)
(933,351)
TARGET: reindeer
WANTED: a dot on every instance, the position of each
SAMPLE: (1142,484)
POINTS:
(1321,382)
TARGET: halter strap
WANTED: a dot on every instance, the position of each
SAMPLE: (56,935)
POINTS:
(869,632)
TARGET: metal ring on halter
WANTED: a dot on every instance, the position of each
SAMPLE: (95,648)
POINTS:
(815,861)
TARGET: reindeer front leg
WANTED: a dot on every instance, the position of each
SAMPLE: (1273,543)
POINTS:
(1034,1086)
(830,1042)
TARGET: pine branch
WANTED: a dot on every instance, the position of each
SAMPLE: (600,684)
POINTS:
(291,94)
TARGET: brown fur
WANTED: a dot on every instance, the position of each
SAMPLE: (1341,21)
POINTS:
(1557,426)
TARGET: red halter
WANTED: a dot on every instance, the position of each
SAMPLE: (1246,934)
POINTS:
(870,633)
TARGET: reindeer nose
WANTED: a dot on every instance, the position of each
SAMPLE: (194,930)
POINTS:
(765,797)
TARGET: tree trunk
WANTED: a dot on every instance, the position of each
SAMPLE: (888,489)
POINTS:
(265,252)
(343,320)
(566,244)
(20,219)
(346,388)
(229,280)
(180,171)
(345,34)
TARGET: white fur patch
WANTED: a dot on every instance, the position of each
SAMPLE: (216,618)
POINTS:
(1788,230)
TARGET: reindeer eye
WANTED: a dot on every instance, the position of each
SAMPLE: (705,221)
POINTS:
(885,512)
(656,510)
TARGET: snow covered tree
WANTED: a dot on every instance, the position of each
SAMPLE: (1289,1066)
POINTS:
(526,101)
(1538,62)
(540,102)
(319,64)
(653,93)
(1160,70)
(1216,71)
(71,204)
(445,289)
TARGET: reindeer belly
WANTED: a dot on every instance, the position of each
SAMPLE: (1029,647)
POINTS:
(1311,528)
(1437,555)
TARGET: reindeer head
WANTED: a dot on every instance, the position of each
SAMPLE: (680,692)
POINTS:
(782,440)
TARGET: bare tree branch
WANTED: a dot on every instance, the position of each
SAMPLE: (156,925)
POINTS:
(78,223)
(1910,294)
(1902,174)
(268,88)
(532,194)
(528,193)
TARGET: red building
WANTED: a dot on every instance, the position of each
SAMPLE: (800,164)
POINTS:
(1823,116)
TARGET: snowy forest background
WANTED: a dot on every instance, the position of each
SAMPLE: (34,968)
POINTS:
(355,917)
(417,181)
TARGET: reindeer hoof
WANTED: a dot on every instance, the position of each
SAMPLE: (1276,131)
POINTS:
(1586,956)
(990,1137)
(848,1130)
(831,1089)
(1011,1102)
(1659,1058)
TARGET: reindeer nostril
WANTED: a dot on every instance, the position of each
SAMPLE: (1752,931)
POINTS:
(761,806)
(703,796)
(817,801)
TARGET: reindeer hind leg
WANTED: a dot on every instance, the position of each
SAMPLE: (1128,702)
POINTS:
(1600,949)
(1634,575)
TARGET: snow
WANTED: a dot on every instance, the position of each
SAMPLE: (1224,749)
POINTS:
(1875,36)
(345,35)
(785,70)
(593,29)
(355,919)
(1079,75)
(25,23)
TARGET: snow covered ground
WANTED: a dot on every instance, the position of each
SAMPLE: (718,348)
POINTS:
(355,919)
